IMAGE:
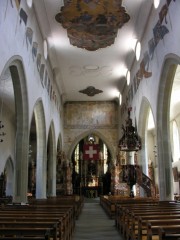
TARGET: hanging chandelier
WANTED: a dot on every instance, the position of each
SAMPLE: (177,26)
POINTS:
(92,24)
(130,141)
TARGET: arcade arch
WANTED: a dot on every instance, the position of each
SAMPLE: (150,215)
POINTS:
(9,174)
(41,155)
(51,162)
(92,172)
(112,149)
(164,150)
(16,69)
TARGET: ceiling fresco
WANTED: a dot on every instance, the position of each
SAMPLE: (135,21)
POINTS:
(92,24)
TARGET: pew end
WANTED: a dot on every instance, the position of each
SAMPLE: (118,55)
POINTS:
(164,235)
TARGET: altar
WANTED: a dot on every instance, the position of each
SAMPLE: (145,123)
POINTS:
(91,192)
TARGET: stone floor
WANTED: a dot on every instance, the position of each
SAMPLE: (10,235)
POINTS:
(94,224)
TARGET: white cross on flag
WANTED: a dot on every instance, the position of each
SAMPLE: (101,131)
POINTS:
(91,152)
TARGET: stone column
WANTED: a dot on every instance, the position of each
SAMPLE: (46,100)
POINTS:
(164,160)
(68,178)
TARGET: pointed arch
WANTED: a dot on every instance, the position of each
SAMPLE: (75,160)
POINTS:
(111,148)
(41,155)
(59,143)
(148,141)
(163,129)
(51,161)
(143,122)
(9,171)
(17,72)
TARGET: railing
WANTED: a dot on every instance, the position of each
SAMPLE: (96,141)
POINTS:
(146,183)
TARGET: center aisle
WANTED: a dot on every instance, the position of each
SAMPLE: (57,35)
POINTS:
(94,224)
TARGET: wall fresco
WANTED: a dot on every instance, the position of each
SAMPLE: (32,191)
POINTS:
(90,115)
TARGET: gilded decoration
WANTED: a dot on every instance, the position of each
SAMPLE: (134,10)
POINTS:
(92,24)
(130,141)
(91,91)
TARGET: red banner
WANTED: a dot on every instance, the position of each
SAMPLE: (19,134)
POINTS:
(91,152)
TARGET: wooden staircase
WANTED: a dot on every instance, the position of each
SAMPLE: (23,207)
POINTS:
(146,183)
(133,174)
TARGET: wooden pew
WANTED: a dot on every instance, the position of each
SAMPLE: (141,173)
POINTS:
(129,222)
(140,223)
(28,232)
(154,231)
(66,224)
(62,210)
(137,224)
(143,229)
(64,228)
(46,237)
(67,212)
(109,203)
(123,211)
(53,227)
(76,201)
(62,232)
(127,214)
(168,234)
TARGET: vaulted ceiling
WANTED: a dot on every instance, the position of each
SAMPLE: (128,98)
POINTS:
(103,69)
(101,72)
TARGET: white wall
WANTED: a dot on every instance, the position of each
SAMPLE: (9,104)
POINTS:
(167,47)
(14,45)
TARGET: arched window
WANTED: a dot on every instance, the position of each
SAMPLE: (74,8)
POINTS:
(76,155)
(176,150)
(105,156)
